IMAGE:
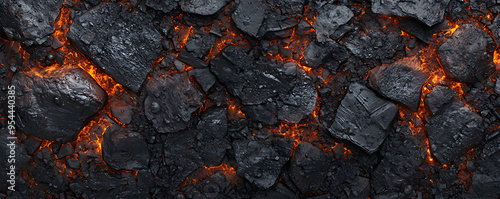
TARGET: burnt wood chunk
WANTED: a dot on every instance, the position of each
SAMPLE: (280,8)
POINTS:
(123,43)
(431,12)
(454,132)
(400,81)
(54,103)
(329,19)
(363,118)
(202,7)
(30,22)
(124,149)
(308,167)
(468,55)
(260,162)
(169,101)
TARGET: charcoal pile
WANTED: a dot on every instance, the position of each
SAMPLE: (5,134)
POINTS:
(249,99)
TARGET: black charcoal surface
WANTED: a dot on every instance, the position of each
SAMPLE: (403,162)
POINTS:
(124,149)
(431,12)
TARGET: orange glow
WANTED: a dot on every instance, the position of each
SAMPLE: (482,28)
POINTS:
(405,34)
(205,172)
(298,132)
(453,28)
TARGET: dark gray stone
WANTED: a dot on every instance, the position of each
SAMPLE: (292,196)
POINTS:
(400,81)
(124,149)
(438,99)
(330,17)
(30,22)
(308,167)
(202,7)
(363,118)
(169,101)
(54,103)
(249,16)
(260,162)
(431,12)
(123,43)
(454,132)
(468,55)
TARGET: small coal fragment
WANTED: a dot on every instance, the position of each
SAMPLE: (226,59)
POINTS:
(315,52)
(298,102)
(495,28)
(170,101)
(430,12)
(199,44)
(400,81)
(468,55)
(249,16)
(204,77)
(260,162)
(454,132)
(417,29)
(30,22)
(124,149)
(53,103)
(308,167)
(363,117)
(191,60)
(330,17)
(32,144)
(121,42)
(121,107)
(275,22)
(261,113)
(65,150)
(438,98)
(164,6)
(487,177)
(73,163)
(290,7)
(202,7)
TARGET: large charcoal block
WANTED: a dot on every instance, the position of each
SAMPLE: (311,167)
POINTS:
(124,149)
(329,19)
(53,103)
(249,16)
(260,162)
(400,81)
(169,101)
(30,22)
(468,55)
(121,42)
(308,167)
(430,12)
(202,7)
(454,132)
(438,98)
(363,117)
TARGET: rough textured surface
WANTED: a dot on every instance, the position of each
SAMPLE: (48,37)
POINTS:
(454,132)
(401,81)
(363,117)
(124,149)
(315,52)
(289,7)
(249,16)
(438,99)
(164,6)
(202,7)
(123,43)
(468,55)
(330,17)
(53,103)
(169,101)
(431,12)
(308,167)
(260,162)
(30,22)
(487,177)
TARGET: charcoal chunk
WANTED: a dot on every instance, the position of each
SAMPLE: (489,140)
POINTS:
(260,113)
(32,144)
(308,167)
(199,44)
(330,17)
(289,7)
(161,5)
(260,162)
(249,16)
(191,60)
(400,81)
(212,133)
(431,12)
(121,107)
(487,177)
(65,150)
(124,149)
(73,163)
(30,22)
(454,132)
(54,103)
(468,55)
(202,7)
(204,77)
(169,101)
(438,98)
(315,52)
(299,102)
(363,117)
(275,22)
(122,43)
(417,29)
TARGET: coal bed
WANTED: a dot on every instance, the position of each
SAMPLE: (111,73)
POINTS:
(261,99)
